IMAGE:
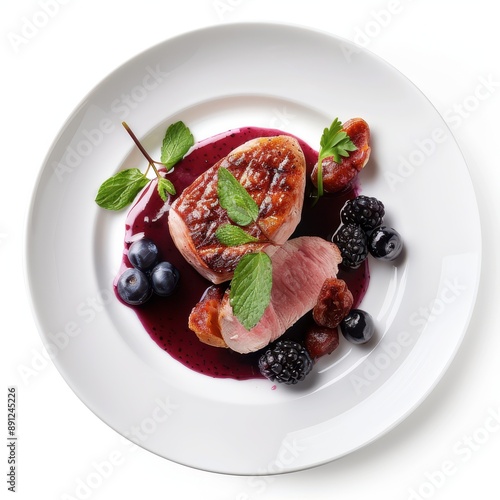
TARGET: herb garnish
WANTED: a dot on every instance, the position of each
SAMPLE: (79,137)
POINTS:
(250,292)
(120,190)
(334,142)
(231,236)
(176,143)
(234,198)
(251,285)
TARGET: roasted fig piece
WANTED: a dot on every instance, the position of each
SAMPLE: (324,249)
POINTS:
(321,341)
(339,176)
(333,304)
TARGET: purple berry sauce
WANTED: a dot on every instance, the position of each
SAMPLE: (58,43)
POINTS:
(165,319)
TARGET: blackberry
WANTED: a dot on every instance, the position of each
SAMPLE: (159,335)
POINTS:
(364,211)
(352,243)
(288,362)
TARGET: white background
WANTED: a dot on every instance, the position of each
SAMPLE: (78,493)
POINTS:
(447,48)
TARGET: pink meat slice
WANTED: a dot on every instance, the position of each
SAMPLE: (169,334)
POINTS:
(300,267)
(273,171)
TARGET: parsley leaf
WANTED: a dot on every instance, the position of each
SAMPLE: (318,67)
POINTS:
(176,143)
(233,197)
(250,292)
(230,235)
(334,142)
(120,190)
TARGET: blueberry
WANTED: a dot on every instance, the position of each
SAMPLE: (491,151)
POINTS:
(164,278)
(143,254)
(385,243)
(357,327)
(134,287)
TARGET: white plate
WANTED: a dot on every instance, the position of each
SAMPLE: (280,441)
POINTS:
(272,76)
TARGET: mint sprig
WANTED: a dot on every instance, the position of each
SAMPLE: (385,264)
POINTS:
(334,142)
(121,189)
(250,292)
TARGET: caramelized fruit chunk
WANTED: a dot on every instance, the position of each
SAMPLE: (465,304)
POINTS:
(333,304)
(338,176)
(204,318)
(321,341)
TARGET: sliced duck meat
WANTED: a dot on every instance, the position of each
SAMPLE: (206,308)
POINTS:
(273,171)
(300,267)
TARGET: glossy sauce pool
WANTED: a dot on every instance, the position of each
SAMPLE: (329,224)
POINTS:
(165,319)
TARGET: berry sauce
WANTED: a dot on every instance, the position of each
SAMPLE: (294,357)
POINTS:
(166,318)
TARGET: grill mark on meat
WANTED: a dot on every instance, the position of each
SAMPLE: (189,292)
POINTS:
(272,170)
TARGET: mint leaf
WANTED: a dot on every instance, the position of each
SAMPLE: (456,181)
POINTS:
(165,187)
(120,190)
(233,197)
(250,292)
(231,236)
(176,143)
